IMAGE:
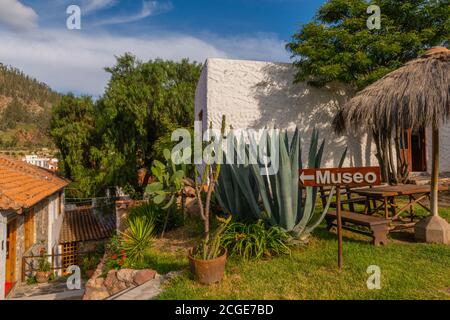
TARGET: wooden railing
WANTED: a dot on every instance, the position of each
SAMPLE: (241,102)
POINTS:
(27,261)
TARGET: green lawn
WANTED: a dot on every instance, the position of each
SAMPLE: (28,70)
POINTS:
(408,271)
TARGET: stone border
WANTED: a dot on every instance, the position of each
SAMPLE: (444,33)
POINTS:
(99,288)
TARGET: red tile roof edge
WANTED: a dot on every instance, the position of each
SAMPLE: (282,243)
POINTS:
(9,202)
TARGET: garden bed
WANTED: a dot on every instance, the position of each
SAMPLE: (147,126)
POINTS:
(101,286)
(408,271)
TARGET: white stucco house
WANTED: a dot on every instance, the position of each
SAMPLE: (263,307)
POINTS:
(256,94)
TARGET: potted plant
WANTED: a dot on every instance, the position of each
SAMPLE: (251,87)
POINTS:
(89,264)
(207,260)
(44,270)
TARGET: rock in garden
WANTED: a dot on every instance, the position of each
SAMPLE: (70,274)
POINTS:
(95,283)
(189,191)
(142,276)
(111,279)
(96,294)
(117,287)
(192,207)
(126,275)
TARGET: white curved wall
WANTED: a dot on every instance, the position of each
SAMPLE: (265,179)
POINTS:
(253,94)
(444,148)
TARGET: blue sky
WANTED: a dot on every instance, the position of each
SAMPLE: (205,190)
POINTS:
(36,40)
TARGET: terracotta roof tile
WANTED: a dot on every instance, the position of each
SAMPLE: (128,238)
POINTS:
(84,225)
(22,185)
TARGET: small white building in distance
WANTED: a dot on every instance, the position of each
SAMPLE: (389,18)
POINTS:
(255,94)
(43,162)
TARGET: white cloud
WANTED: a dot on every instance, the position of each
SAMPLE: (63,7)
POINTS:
(73,61)
(253,47)
(17,16)
(94,5)
(149,8)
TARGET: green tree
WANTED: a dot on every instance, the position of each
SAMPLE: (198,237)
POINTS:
(14,114)
(73,130)
(142,105)
(105,143)
(337,44)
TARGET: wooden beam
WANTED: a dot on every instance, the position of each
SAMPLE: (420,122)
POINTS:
(435,172)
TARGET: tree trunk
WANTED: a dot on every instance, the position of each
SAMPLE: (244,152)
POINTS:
(166,221)
(435,172)
(385,163)
(391,160)
(402,162)
(379,154)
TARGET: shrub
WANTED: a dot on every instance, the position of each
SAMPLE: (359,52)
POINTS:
(90,262)
(116,256)
(44,264)
(137,239)
(255,240)
(116,261)
(31,280)
(158,215)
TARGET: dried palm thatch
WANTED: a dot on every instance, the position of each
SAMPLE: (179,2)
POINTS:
(413,96)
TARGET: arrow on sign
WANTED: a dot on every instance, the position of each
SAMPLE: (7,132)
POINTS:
(304,177)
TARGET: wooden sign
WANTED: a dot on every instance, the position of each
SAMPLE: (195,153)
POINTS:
(349,177)
(340,177)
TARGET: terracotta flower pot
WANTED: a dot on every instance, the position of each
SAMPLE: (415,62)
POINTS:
(208,271)
(42,277)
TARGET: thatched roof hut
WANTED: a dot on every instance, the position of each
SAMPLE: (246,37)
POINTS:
(415,95)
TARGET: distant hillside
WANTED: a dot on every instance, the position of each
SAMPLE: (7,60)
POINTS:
(25,109)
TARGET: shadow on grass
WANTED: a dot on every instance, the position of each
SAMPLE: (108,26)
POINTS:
(348,236)
(164,262)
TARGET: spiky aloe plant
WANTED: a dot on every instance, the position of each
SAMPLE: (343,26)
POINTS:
(284,202)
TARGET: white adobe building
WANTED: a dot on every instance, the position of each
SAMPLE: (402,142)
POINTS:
(255,94)
(43,162)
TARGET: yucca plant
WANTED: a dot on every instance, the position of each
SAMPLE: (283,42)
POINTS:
(137,238)
(243,188)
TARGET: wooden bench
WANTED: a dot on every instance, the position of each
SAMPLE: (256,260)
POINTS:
(378,227)
(350,201)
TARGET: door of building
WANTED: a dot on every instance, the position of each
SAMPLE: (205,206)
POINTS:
(418,151)
(11,237)
(414,150)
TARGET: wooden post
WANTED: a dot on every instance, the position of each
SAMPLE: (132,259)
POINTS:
(386,210)
(339,225)
(435,172)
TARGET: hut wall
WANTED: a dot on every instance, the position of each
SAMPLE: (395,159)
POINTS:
(253,94)
(444,148)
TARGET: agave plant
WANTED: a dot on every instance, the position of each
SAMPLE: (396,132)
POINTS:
(241,188)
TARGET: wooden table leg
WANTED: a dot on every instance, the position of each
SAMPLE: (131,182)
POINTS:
(393,206)
(386,209)
(411,211)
